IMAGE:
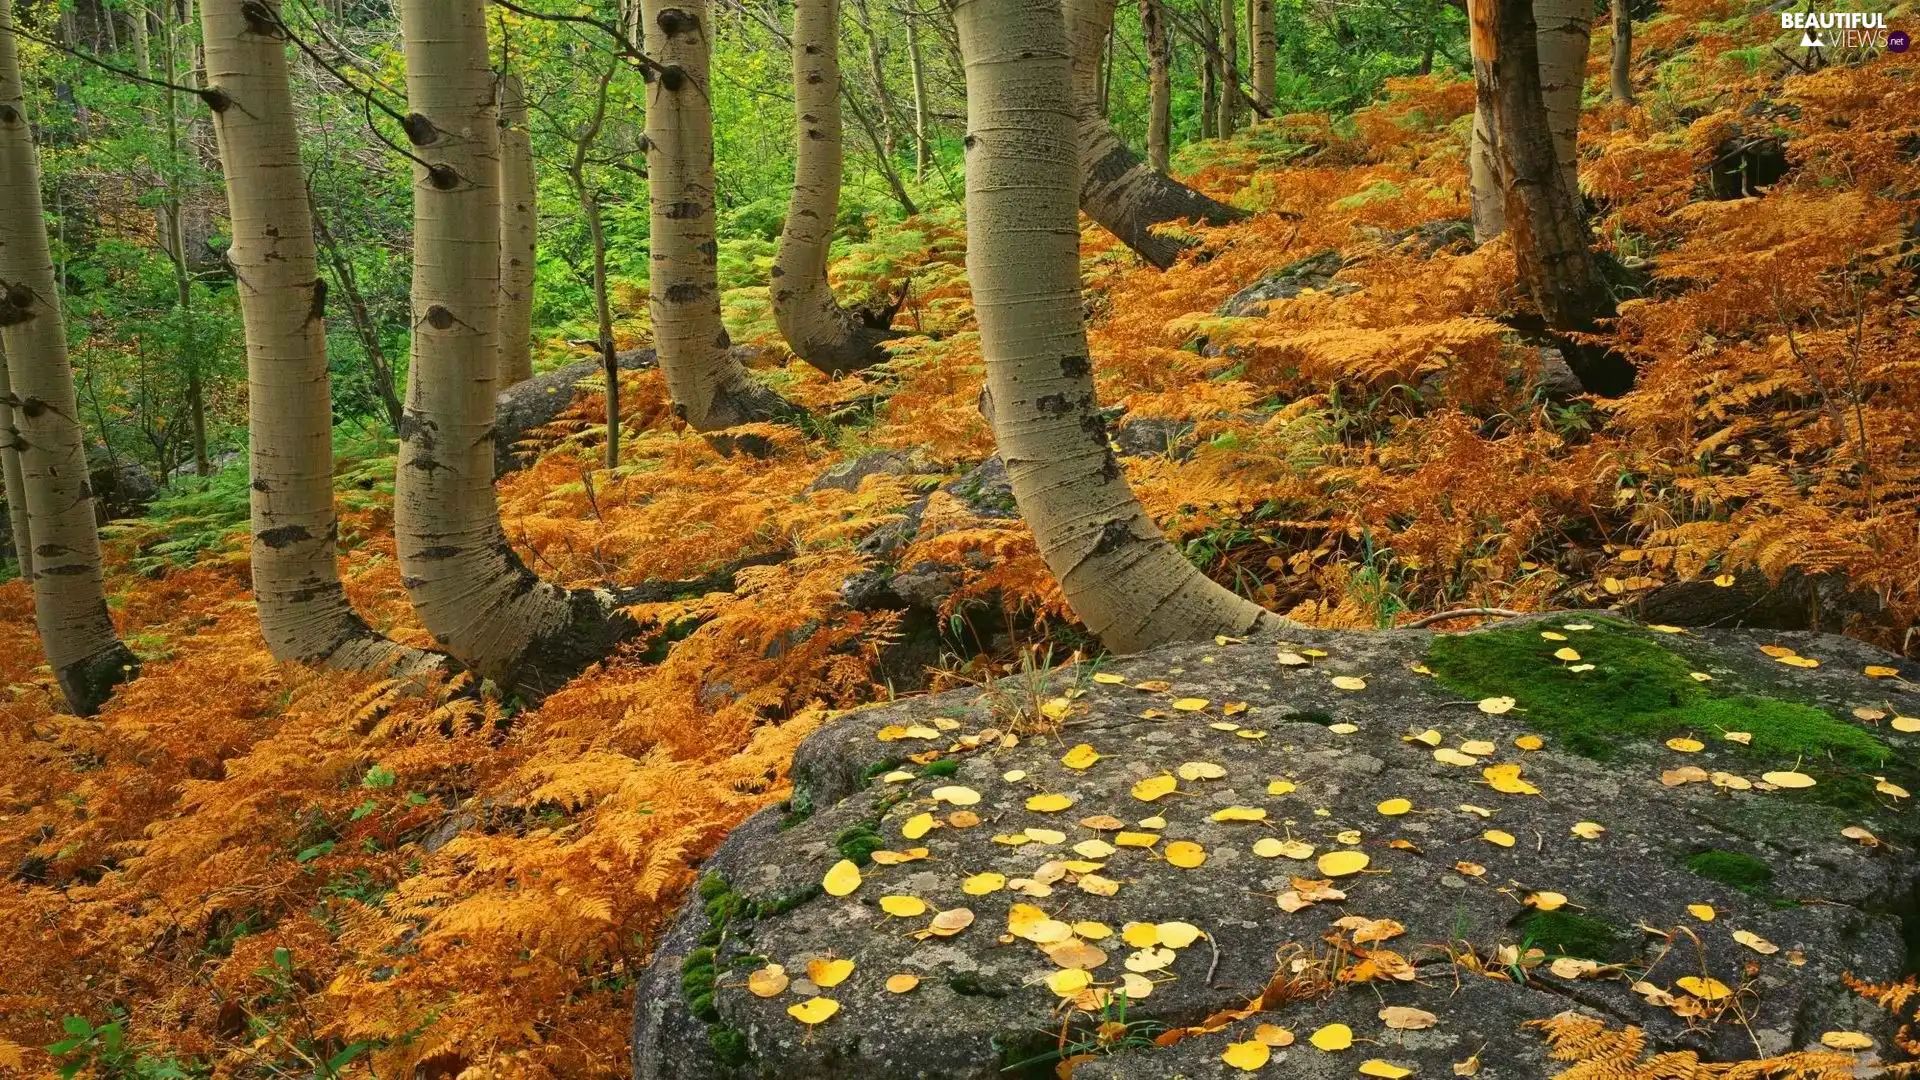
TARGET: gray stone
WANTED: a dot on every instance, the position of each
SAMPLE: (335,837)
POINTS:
(982,1004)
(986,490)
(526,406)
(1148,437)
(846,475)
(1314,272)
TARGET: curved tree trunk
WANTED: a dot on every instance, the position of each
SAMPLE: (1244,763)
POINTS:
(1153,27)
(1547,230)
(1265,48)
(519,243)
(304,612)
(1118,190)
(711,389)
(1119,573)
(69,599)
(468,587)
(819,330)
(1622,81)
(16,488)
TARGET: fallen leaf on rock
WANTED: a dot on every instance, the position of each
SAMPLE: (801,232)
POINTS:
(1349,682)
(1332,1037)
(1685,774)
(1149,959)
(1080,757)
(1385,1069)
(955,795)
(1755,942)
(1342,863)
(1074,953)
(1239,813)
(1178,935)
(1273,1035)
(1469,1067)
(897,776)
(1905,724)
(1095,885)
(1505,779)
(1155,787)
(1890,789)
(1154,686)
(1529,742)
(1280,787)
(1185,854)
(1686,745)
(1699,676)
(1234,708)
(1881,671)
(1798,661)
(1092,931)
(827,973)
(1248,1055)
(1572,967)
(1014,776)
(1394,807)
(1587,830)
(1049,803)
(1498,837)
(1093,849)
(895,858)
(1476,811)
(950,922)
(841,879)
(769,981)
(1045,836)
(902,983)
(1056,708)
(1478,748)
(1136,839)
(1190,704)
(1846,1040)
(1547,900)
(1788,779)
(1704,988)
(1068,982)
(814,1010)
(1141,935)
(1291,659)
(1495,706)
(1407,1018)
(1108,678)
(1200,770)
(1569,655)
(1703,912)
(1470,869)
(905,907)
(1343,729)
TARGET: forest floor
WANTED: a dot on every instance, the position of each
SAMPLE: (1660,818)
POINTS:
(254,870)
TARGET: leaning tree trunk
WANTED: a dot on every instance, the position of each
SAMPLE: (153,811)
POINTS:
(468,587)
(1229,68)
(69,598)
(304,612)
(1121,576)
(1622,13)
(1548,233)
(1265,48)
(711,388)
(519,243)
(1153,27)
(819,330)
(16,488)
(1118,190)
(1562,31)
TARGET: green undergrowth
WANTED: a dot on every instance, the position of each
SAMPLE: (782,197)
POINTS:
(1638,689)
(1565,933)
(1733,869)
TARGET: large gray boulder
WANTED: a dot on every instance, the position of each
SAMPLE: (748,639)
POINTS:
(1403,766)
(527,406)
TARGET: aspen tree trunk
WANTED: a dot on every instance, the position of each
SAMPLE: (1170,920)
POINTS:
(1563,31)
(1265,48)
(589,200)
(16,489)
(1153,27)
(922,125)
(69,599)
(468,587)
(176,244)
(1209,75)
(1120,575)
(876,66)
(304,612)
(1229,67)
(1118,190)
(818,329)
(1622,14)
(518,240)
(711,389)
(1548,233)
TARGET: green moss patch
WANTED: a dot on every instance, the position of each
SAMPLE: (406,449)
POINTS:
(1565,933)
(1733,869)
(1637,689)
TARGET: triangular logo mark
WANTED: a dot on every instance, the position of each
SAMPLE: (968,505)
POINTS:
(1808,40)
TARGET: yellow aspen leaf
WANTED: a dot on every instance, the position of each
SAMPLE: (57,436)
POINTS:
(1281,787)
(1685,745)
(769,981)
(1224,725)
(1890,789)
(917,826)
(983,883)
(826,973)
(1190,704)
(1348,682)
(1095,885)
(1049,803)
(1136,839)
(1788,779)
(1428,737)
(897,776)
(1703,912)
(1145,960)
(1342,863)
(1699,676)
(1724,581)
(1045,836)
(842,878)
(1080,757)
(1905,724)
(1529,742)
(902,983)
(1092,931)
(1056,708)
(1846,1040)
(1476,811)
(1093,849)
(1317,654)
(950,922)
(1498,838)
(1496,706)
(1469,1067)
(1407,1018)
(1394,807)
(1705,988)
(1588,830)
(1663,628)
(1155,787)
(1186,854)
(1249,733)
(1744,738)
(1798,661)
(1154,822)
(905,907)
(1478,748)
(1137,987)
(1247,1056)
(1068,981)
(1200,770)
(1447,755)
(1553,635)
(1108,678)
(1776,651)
(1686,774)
(1387,1070)
(1343,729)
(1755,942)
(1234,708)
(1332,1037)
(956,795)
(1273,1035)
(1569,655)
(1881,671)
(1014,776)
(895,858)
(1154,686)
(1292,659)
(1141,935)
(1547,900)
(1470,869)
(1576,626)
(1239,813)
(1731,782)
(814,1010)
(1505,779)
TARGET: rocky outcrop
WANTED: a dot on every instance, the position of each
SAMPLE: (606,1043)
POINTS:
(1314,831)
(1315,272)
(538,401)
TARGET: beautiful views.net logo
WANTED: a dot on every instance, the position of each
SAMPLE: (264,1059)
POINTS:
(1844,30)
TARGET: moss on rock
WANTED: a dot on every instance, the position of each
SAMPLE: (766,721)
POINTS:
(1734,869)
(1566,933)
